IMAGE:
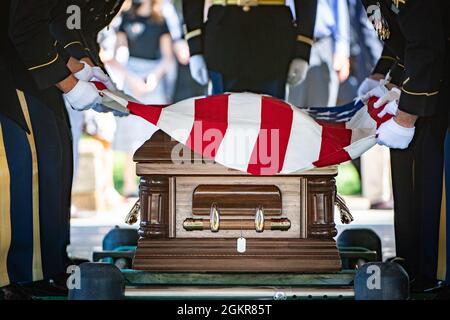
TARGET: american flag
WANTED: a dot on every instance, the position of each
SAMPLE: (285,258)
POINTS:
(262,135)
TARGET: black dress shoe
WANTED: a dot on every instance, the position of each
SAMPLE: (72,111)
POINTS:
(14,292)
(425,285)
(55,287)
(443,293)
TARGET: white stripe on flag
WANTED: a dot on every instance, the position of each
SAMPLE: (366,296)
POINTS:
(177,120)
(304,143)
(362,125)
(244,122)
(356,149)
(361,120)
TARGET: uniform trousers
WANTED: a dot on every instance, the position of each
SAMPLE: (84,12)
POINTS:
(35,188)
(417,178)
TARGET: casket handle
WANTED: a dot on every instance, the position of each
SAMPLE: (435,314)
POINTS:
(259,220)
(214,218)
(132,216)
(273,224)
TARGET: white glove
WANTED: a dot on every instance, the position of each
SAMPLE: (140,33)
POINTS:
(391,95)
(151,82)
(100,75)
(83,96)
(378,92)
(367,85)
(199,72)
(390,102)
(390,108)
(393,135)
(297,71)
(85,74)
(89,73)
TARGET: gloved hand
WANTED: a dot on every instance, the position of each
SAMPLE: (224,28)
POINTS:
(199,72)
(379,91)
(390,100)
(393,135)
(89,73)
(297,71)
(83,96)
(367,85)
(391,95)
(100,75)
(85,74)
(390,108)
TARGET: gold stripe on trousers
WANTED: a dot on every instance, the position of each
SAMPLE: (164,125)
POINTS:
(442,246)
(37,258)
(5,213)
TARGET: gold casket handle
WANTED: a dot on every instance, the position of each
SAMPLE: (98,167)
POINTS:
(259,220)
(260,223)
(214,218)
(132,216)
(279,224)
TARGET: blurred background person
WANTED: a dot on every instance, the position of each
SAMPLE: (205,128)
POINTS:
(329,62)
(184,86)
(144,33)
(365,49)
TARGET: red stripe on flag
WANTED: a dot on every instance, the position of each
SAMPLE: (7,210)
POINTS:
(270,149)
(334,140)
(99,85)
(148,112)
(210,125)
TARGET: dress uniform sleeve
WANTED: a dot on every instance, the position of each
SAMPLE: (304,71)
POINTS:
(30,35)
(98,13)
(65,56)
(390,63)
(421,23)
(67,38)
(305,11)
(193,29)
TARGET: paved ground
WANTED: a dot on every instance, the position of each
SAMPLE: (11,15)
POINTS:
(89,228)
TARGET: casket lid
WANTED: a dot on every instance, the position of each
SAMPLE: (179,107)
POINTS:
(155,157)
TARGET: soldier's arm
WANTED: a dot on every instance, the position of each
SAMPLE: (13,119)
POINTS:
(421,24)
(305,11)
(68,39)
(193,13)
(29,33)
(389,63)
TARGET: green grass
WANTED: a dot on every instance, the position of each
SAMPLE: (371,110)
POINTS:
(118,166)
(348,181)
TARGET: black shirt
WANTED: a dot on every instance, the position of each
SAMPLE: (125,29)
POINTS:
(143,36)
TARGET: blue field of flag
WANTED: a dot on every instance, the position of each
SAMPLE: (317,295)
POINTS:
(335,114)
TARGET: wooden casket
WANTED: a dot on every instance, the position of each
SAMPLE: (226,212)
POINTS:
(193,213)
